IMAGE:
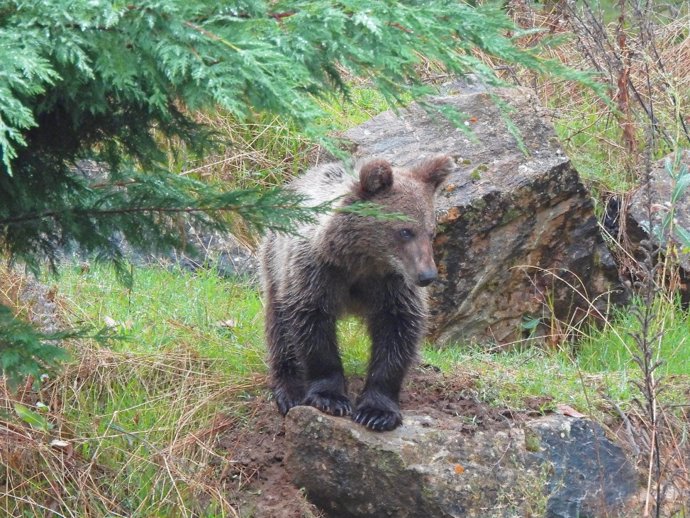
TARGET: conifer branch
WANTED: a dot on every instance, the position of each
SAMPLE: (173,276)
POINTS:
(115,83)
(139,210)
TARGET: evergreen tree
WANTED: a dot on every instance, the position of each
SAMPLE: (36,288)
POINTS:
(114,82)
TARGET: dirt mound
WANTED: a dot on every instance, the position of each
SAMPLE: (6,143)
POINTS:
(261,485)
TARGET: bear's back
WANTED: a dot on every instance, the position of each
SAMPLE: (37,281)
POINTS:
(324,183)
(284,256)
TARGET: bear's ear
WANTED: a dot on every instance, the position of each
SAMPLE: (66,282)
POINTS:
(375,176)
(434,170)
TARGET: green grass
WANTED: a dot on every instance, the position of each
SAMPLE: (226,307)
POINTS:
(221,321)
(614,348)
(172,308)
(599,365)
(143,412)
(512,378)
(363,104)
(169,309)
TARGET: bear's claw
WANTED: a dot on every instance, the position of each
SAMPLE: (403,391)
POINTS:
(377,419)
(286,399)
(329,402)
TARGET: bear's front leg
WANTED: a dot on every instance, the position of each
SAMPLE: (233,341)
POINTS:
(395,333)
(325,379)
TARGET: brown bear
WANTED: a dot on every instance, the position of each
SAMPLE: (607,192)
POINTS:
(351,263)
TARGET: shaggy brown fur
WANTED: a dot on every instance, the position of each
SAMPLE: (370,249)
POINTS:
(347,263)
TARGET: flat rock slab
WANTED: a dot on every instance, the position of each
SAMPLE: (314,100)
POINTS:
(555,466)
(517,239)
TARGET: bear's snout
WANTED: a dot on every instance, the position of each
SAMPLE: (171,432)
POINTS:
(427,277)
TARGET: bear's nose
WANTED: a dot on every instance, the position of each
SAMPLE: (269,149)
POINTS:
(426,277)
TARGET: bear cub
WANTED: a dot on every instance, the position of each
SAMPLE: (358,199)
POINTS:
(352,264)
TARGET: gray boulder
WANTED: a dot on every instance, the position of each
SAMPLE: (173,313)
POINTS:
(227,254)
(554,466)
(517,238)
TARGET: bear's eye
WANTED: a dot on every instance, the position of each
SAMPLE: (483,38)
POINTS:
(406,234)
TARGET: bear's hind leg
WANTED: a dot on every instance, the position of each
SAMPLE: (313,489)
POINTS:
(288,386)
(287,376)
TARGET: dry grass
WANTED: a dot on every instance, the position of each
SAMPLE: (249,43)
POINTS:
(266,152)
(640,52)
(642,60)
(119,433)
(130,435)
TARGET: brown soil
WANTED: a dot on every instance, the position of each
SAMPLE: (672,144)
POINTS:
(261,486)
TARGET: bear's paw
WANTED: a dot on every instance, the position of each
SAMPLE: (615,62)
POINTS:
(332,403)
(377,419)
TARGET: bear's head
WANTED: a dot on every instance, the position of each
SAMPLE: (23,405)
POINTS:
(401,243)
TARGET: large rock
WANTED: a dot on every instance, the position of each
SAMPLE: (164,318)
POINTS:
(555,466)
(517,239)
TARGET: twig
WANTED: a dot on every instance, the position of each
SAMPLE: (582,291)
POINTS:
(627,423)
